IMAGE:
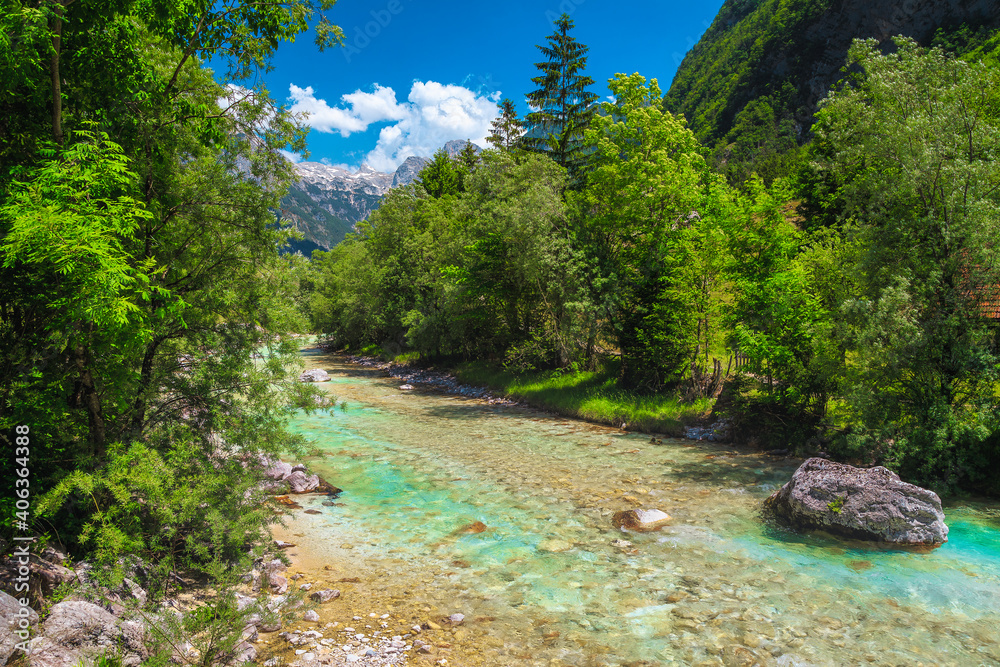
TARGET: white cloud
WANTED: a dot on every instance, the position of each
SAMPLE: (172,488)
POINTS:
(433,114)
(290,156)
(363,110)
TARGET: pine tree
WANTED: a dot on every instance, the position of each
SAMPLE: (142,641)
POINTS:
(564,104)
(468,157)
(507,128)
(440,177)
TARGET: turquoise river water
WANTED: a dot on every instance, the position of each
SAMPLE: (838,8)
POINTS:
(715,587)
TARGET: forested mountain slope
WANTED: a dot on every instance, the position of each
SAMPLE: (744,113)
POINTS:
(786,55)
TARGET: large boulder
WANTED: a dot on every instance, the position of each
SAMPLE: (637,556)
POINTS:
(278,471)
(78,631)
(47,574)
(14,619)
(299,482)
(315,375)
(860,503)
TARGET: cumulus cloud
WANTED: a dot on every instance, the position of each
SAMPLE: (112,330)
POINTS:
(290,156)
(433,114)
(362,109)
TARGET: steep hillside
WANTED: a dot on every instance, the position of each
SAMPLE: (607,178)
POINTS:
(785,54)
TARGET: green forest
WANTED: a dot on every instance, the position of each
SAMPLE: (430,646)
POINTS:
(836,292)
(857,290)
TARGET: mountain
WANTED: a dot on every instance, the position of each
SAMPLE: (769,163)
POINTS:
(327,201)
(773,60)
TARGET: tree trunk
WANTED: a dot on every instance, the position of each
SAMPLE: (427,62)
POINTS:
(145,378)
(91,400)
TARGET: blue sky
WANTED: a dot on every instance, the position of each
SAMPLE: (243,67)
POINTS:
(417,73)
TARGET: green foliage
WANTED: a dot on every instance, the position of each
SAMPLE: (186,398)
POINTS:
(762,141)
(593,395)
(70,218)
(441,176)
(734,64)
(913,145)
(139,269)
(647,183)
(835,505)
(468,272)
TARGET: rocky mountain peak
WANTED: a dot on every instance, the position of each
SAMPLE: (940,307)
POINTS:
(328,200)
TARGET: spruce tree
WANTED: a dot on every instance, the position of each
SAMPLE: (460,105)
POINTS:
(564,105)
(507,128)
(440,177)
(468,157)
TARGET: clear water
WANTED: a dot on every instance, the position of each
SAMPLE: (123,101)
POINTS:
(416,468)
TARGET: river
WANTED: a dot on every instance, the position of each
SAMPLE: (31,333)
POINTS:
(544,579)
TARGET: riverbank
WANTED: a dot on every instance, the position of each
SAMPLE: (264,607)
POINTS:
(589,396)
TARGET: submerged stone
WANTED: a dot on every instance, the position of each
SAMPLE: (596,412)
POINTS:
(554,546)
(861,503)
(472,528)
(640,520)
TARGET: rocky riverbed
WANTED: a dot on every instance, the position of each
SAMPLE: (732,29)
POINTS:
(376,620)
(438,380)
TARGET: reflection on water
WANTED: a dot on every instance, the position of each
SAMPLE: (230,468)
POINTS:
(717,586)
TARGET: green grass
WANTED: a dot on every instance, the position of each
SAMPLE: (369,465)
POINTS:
(594,396)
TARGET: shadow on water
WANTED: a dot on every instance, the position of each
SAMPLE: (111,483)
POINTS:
(719,464)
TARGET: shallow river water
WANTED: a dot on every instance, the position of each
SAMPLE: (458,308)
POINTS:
(544,584)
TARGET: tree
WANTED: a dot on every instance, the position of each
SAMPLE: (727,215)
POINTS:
(139,264)
(564,105)
(466,162)
(911,143)
(644,191)
(440,176)
(507,128)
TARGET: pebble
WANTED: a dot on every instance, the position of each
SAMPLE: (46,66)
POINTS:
(436,380)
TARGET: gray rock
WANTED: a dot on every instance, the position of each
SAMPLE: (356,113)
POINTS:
(12,618)
(408,172)
(130,589)
(249,632)
(325,595)
(278,583)
(310,616)
(274,565)
(278,471)
(272,624)
(245,652)
(315,375)
(299,482)
(76,630)
(244,602)
(861,503)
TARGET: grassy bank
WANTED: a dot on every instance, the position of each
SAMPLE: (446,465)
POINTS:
(594,396)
